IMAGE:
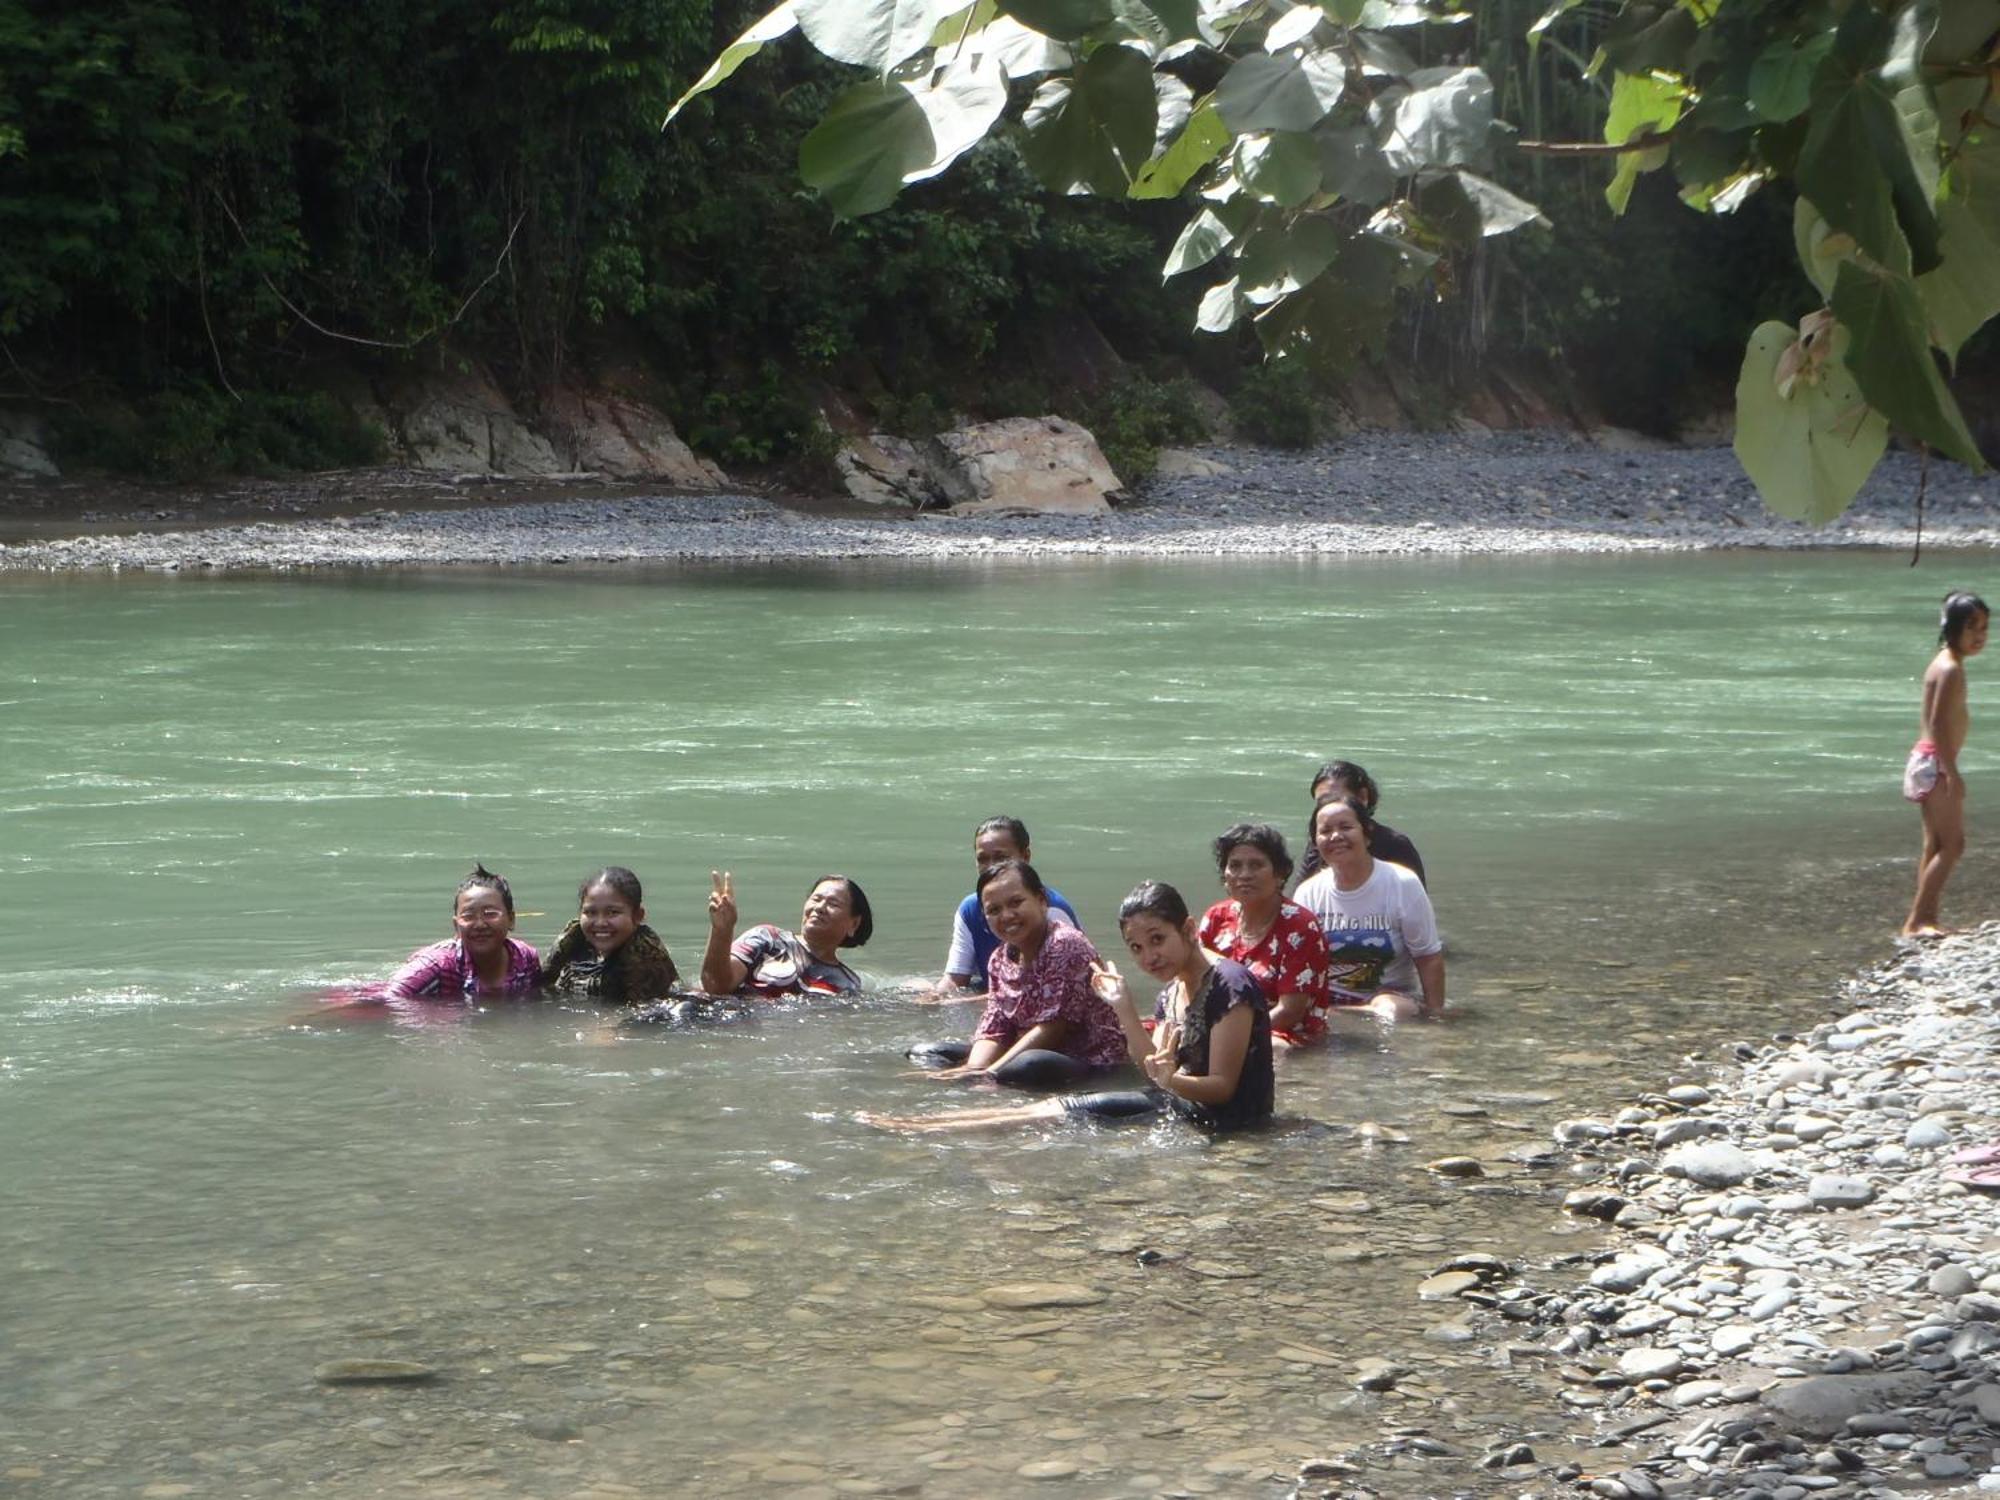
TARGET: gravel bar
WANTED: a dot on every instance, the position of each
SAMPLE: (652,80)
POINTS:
(1374,494)
(1798,1299)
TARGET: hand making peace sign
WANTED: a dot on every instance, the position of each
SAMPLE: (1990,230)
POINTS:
(722,901)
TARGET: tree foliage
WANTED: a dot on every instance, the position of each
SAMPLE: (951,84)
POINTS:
(1337,153)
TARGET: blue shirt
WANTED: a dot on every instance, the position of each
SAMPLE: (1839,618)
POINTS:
(973,942)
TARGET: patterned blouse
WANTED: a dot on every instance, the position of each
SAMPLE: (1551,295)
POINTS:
(1054,987)
(444,971)
(1290,959)
(781,964)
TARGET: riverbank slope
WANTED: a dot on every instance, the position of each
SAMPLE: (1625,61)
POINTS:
(1372,494)
(1805,1302)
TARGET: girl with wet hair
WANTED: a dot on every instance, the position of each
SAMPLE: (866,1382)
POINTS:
(1344,777)
(1208,1058)
(1042,1026)
(1276,939)
(607,953)
(769,963)
(481,959)
(1930,776)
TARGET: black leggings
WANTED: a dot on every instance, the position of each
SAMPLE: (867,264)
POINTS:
(1113,1104)
(1037,1068)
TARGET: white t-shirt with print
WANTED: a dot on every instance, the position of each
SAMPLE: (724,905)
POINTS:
(1373,932)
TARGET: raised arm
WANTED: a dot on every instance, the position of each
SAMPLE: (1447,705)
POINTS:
(722,973)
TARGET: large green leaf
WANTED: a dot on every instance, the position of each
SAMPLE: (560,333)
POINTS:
(1494,209)
(1352,165)
(1781,79)
(773,25)
(1338,318)
(1022,52)
(1964,291)
(874,34)
(1444,120)
(1293,27)
(870,139)
(1641,104)
(1808,441)
(1280,93)
(1093,131)
(1201,140)
(1065,20)
(1280,165)
(1820,249)
(1205,237)
(1870,158)
(1221,306)
(1892,360)
(1649,34)
(1284,259)
(960,106)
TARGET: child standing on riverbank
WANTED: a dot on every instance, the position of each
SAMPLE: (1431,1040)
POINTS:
(1931,778)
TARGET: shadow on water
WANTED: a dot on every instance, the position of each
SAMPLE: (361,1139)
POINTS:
(1657,798)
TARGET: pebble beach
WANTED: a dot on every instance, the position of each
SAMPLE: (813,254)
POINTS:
(1375,494)
(1797,1299)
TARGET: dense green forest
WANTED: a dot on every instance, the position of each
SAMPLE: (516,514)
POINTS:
(215,217)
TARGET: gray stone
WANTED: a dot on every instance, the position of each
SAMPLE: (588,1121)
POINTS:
(1575,1132)
(1977,1308)
(1688,1095)
(24,447)
(1377,1374)
(1650,1364)
(1946,1466)
(1770,1305)
(1630,1271)
(1692,1128)
(1822,1404)
(1833,1192)
(1876,1423)
(1732,1339)
(1694,1392)
(1713,1164)
(1926,1135)
(1745,1206)
(372,1372)
(550,1429)
(1595,1203)
(1023,1295)
(1810,1128)
(1952,1281)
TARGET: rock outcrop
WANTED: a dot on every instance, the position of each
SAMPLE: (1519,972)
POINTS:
(1046,465)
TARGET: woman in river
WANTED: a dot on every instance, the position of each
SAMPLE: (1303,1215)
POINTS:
(972,941)
(1208,1058)
(608,953)
(767,962)
(1930,778)
(1343,778)
(481,959)
(1043,1025)
(1277,940)
(1383,948)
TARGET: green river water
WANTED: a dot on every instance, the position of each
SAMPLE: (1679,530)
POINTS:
(1658,802)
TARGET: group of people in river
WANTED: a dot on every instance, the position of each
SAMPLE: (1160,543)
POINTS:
(1255,971)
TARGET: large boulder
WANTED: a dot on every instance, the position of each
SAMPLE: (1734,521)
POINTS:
(24,447)
(1041,464)
(465,425)
(600,433)
(882,469)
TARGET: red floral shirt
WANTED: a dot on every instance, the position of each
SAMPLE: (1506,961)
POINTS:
(1291,958)
(1055,987)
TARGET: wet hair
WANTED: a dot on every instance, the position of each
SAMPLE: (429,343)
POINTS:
(1347,800)
(1157,899)
(620,879)
(1960,610)
(484,879)
(857,900)
(1014,828)
(1027,873)
(1348,772)
(1259,836)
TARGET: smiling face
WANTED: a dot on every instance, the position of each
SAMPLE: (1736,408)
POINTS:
(1157,946)
(991,845)
(1016,914)
(609,920)
(481,919)
(829,916)
(1338,835)
(1249,876)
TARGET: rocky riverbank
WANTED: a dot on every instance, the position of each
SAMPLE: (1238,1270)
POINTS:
(1378,493)
(1804,1303)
